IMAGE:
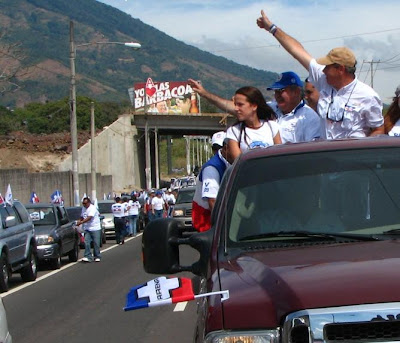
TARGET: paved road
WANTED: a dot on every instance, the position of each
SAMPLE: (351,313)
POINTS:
(84,303)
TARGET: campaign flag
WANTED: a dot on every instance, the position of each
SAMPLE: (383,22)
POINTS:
(56,197)
(34,198)
(8,198)
(1,199)
(164,291)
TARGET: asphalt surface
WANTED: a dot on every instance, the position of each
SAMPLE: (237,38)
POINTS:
(83,302)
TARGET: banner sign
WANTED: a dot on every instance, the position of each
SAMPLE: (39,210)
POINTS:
(174,97)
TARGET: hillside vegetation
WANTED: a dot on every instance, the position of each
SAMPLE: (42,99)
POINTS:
(105,72)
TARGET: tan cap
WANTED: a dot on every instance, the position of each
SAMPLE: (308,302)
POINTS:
(342,55)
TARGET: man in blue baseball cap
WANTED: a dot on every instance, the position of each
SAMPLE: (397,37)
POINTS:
(297,121)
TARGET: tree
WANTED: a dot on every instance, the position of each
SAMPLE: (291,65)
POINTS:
(11,58)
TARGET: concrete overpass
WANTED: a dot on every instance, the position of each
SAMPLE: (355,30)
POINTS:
(128,148)
(152,126)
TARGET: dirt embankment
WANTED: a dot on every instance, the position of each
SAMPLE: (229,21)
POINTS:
(37,153)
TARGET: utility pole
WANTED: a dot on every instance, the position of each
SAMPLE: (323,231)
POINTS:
(372,70)
(93,153)
(73,121)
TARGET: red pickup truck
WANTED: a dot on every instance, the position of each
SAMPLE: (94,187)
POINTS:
(306,238)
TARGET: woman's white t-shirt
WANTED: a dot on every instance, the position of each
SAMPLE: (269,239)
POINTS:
(253,138)
(395,131)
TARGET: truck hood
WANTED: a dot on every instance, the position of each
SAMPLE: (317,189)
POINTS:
(266,285)
(44,229)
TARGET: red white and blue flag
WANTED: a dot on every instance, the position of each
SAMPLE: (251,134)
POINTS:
(34,198)
(164,291)
(56,197)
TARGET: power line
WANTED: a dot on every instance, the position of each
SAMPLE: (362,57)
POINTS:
(309,41)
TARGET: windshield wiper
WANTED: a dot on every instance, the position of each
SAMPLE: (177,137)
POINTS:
(309,234)
(391,232)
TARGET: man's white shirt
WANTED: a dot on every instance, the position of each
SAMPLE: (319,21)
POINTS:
(302,124)
(94,223)
(362,106)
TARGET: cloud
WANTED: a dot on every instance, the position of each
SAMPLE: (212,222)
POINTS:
(228,28)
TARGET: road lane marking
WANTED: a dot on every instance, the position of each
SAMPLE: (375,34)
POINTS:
(180,306)
(70,264)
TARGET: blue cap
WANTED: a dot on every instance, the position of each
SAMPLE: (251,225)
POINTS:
(287,78)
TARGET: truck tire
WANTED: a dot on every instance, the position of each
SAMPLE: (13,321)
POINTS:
(29,272)
(73,255)
(55,263)
(5,274)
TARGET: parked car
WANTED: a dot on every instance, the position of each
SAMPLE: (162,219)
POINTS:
(74,214)
(108,221)
(5,336)
(55,233)
(305,237)
(18,251)
(182,210)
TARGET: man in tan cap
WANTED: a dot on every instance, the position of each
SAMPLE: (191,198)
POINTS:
(350,107)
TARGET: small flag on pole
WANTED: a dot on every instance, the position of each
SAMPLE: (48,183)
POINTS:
(8,199)
(56,197)
(34,198)
(164,291)
(1,199)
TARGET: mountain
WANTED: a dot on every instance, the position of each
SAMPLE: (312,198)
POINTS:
(104,71)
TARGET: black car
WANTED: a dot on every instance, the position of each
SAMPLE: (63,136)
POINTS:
(182,210)
(55,233)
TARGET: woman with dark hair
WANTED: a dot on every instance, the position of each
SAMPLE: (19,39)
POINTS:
(255,126)
(392,117)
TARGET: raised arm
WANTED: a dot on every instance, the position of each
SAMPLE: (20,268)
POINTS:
(223,104)
(290,44)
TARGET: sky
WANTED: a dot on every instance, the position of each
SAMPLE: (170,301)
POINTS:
(228,28)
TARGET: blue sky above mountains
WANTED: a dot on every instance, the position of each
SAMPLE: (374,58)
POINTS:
(228,28)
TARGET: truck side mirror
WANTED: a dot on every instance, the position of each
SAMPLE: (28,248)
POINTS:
(160,247)
(10,221)
(159,255)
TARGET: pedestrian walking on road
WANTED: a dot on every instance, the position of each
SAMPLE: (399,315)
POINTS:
(119,212)
(90,219)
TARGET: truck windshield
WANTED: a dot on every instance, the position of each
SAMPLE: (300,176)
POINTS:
(355,192)
(42,215)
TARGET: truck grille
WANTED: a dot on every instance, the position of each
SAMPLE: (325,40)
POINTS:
(376,331)
(361,323)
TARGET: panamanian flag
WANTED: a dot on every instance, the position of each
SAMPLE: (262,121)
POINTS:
(34,198)
(164,291)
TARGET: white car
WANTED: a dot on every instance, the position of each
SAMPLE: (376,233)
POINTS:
(5,335)
(108,221)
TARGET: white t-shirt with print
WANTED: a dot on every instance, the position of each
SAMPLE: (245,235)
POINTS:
(253,138)
(119,210)
(94,223)
(395,131)
(134,207)
(157,203)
